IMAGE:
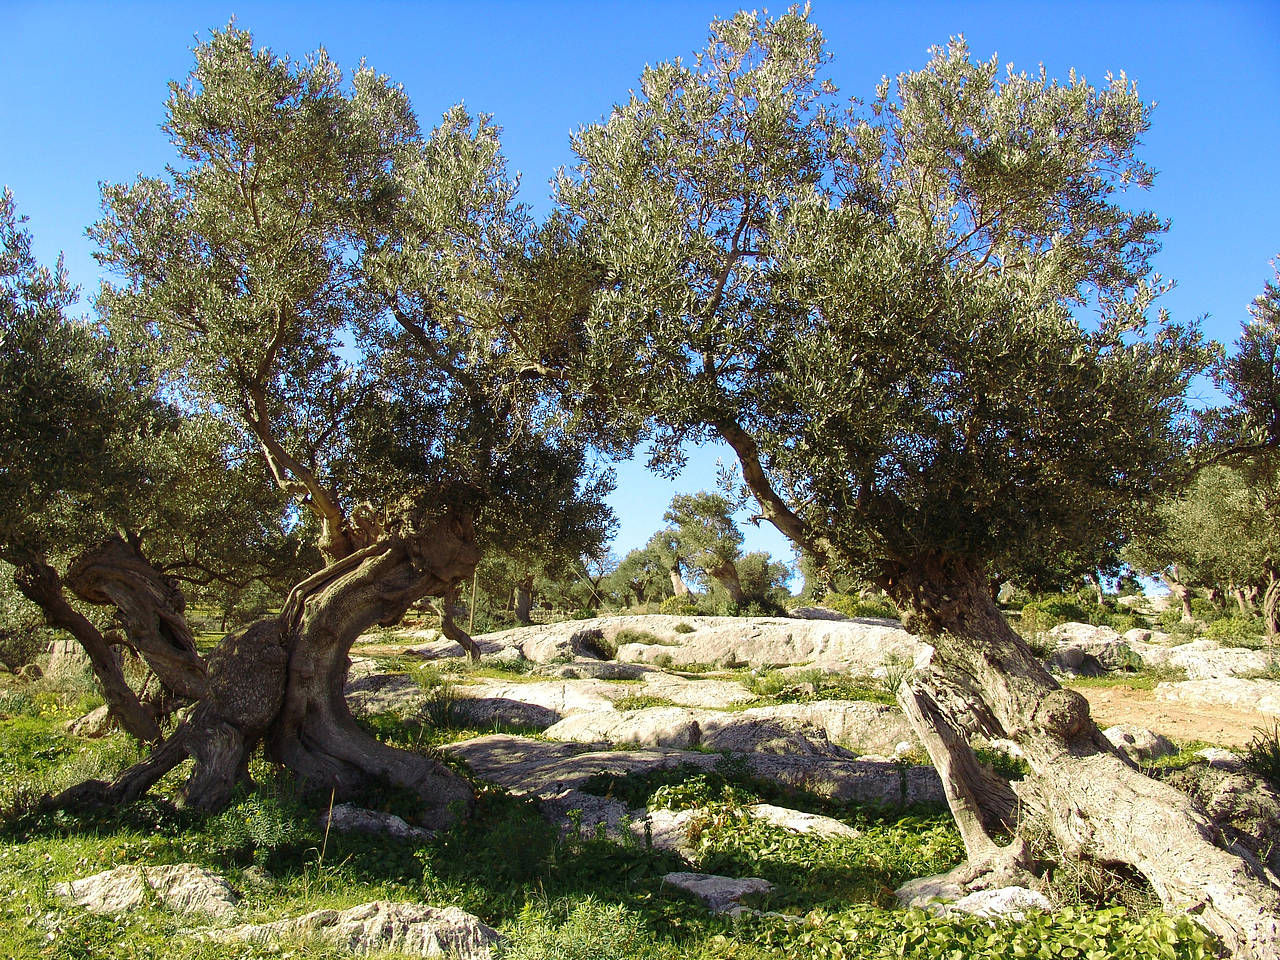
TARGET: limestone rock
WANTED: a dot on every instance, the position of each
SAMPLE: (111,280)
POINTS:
(1221,758)
(653,727)
(543,769)
(924,891)
(348,818)
(669,830)
(410,928)
(1013,902)
(384,693)
(720,894)
(708,693)
(561,697)
(1083,633)
(94,725)
(1260,695)
(29,671)
(67,658)
(817,613)
(797,821)
(574,809)
(1139,743)
(181,888)
(595,670)
(875,728)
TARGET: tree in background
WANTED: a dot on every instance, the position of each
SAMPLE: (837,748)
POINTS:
(642,576)
(710,542)
(877,310)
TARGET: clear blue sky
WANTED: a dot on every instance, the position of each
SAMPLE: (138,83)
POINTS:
(82,87)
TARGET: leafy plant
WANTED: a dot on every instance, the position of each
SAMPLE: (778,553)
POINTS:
(683,627)
(1262,756)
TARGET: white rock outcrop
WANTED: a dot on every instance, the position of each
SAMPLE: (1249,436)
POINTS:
(181,888)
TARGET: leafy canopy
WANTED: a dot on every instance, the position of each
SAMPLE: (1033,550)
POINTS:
(921,323)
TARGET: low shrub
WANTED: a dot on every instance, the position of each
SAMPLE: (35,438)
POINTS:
(855,606)
(678,606)
(1239,631)
(683,627)
(634,636)
(585,930)
(1045,614)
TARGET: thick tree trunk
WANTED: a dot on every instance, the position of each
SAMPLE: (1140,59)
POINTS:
(40,583)
(152,610)
(1181,591)
(282,681)
(524,601)
(1243,603)
(677,582)
(726,575)
(983,680)
(1271,602)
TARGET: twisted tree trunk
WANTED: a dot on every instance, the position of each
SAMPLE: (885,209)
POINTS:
(40,583)
(281,681)
(727,576)
(983,679)
(524,601)
(152,609)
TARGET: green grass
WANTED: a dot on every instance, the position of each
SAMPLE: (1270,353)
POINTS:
(557,897)
(1138,680)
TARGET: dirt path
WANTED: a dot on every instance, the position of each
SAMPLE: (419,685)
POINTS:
(1219,725)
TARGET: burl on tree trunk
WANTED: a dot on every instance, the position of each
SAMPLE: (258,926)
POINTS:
(982,679)
(281,681)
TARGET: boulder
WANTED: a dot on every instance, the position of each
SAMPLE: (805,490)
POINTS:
(348,818)
(29,671)
(1138,743)
(67,658)
(561,697)
(382,925)
(94,725)
(669,830)
(875,728)
(542,769)
(706,692)
(720,894)
(372,692)
(589,813)
(181,888)
(796,821)
(595,670)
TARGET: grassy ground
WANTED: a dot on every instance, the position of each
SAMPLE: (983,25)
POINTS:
(562,897)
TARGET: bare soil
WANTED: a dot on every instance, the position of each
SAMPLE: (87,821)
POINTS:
(1182,722)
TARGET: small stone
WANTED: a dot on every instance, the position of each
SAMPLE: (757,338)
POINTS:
(720,894)
(30,671)
(1138,743)
(94,725)
(1013,902)
(796,821)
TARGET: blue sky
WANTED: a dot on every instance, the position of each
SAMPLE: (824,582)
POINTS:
(82,87)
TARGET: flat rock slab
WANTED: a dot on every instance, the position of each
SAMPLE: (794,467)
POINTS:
(180,888)
(538,768)
(410,928)
(561,697)
(682,728)
(720,894)
(1262,696)
(670,829)
(708,693)
(526,766)
(371,692)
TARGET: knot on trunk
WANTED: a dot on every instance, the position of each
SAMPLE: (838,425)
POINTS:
(1063,713)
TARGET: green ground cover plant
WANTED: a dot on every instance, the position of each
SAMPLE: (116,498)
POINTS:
(553,896)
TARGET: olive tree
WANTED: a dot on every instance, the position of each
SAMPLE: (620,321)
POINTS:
(332,285)
(709,539)
(923,326)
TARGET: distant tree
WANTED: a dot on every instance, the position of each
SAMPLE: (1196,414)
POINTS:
(709,540)
(642,576)
(877,311)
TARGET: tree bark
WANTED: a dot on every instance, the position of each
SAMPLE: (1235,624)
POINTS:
(726,575)
(982,679)
(524,601)
(1179,590)
(1271,602)
(1243,604)
(40,583)
(677,582)
(151,608)
(282,681)
(448,610)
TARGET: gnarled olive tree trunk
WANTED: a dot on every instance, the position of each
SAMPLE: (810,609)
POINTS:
(41,584)
(727,575)
(281,681)
(983,680)
(151,607)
